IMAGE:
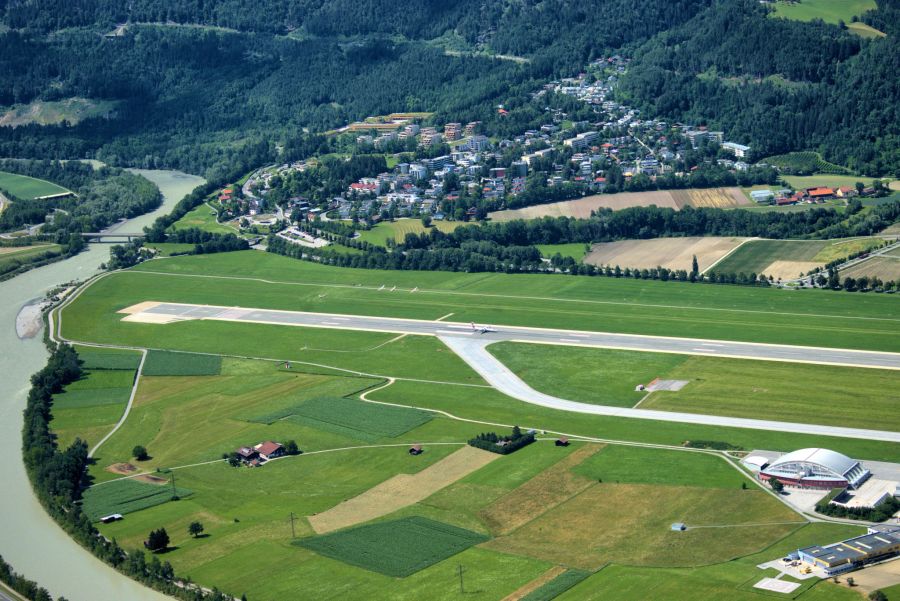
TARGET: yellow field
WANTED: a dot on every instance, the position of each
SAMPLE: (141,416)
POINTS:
(719,198)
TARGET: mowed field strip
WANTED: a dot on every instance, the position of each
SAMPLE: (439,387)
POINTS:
(402,490)
(672,253)
(787,259)
(812,318)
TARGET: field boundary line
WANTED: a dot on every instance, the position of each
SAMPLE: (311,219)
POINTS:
(508,296)
(728,254)
(134,388)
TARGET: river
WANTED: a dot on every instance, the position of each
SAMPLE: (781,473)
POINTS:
(29,539)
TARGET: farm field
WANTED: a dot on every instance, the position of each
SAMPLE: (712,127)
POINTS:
(672,253)
(398,229)
(825,179)
(27,188)
(741,388)
(11,257)
(89,407)
(582,207)
(204,218)
(886,267)
(787,259)
(127,496)
(603,304)
(804,162)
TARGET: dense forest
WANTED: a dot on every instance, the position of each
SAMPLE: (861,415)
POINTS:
(206,86)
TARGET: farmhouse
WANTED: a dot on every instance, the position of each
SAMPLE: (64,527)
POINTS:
(269,450)
(816,468)
(819,193)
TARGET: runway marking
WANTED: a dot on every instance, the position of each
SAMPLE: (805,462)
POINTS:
(445,316)
(703,350)
(454,332)
(459,327)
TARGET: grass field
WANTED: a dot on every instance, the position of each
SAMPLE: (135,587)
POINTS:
(799,182)
(789,258)
(351,418)
(204,218)
(126,496)
(26,188)
(604,304)
(576,250)
(167,249)
(830,11)
(89,407)
(166,363)
(398,548)
(398,229)
(606,378)
(840,396)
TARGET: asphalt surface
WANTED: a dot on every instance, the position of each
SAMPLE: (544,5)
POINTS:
(686,346)
(473,352)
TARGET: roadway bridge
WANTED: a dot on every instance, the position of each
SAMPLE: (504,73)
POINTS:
(112,236)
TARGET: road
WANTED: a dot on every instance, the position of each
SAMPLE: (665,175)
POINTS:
(473,352)
(659,344)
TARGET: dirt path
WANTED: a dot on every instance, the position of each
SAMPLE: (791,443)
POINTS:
(535,584)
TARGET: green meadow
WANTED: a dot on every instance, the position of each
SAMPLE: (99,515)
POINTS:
(381,232)
(27,188)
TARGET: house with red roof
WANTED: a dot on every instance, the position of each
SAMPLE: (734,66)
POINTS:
(269,450)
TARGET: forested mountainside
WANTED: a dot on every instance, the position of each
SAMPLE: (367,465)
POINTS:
(210,86)
(778,84)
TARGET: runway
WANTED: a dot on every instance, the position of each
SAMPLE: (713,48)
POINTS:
(471,345)
(169,312)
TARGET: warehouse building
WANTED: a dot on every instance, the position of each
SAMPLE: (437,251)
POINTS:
(816,468)
(881,542)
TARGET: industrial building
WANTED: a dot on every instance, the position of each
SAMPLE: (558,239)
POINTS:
(816,468)
(881,542)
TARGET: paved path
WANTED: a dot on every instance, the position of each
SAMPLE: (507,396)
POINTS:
(660,344)
(474,353)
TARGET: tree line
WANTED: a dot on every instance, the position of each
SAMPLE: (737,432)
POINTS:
(58,476)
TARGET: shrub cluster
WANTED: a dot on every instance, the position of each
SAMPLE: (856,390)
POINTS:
(503,445)
(871,514)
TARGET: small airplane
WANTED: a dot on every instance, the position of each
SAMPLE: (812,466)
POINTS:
(482,329)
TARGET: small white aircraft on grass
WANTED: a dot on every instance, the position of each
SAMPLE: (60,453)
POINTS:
(482,329)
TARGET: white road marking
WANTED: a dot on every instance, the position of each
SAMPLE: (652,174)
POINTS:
(445,317)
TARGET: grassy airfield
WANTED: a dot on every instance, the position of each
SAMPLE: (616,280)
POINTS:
(581,521)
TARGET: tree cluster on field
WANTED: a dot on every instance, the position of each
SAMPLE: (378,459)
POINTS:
(29,589)
(57,476)
(105,195)
(502,444)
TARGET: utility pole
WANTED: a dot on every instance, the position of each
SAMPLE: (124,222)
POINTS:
(293,534)
(460,569)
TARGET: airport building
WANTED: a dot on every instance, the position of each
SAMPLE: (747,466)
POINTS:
(881,542)
(816,468)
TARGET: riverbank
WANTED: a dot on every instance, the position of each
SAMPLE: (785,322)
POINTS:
(29,538)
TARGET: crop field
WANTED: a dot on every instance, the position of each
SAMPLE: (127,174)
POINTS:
(351,418)
(397,548)
(672,253)
(719,198)
(27,188)
(96,358)
(126,496)
(398,229)
(165,363)
(603,304)
(89,407)
(557,586)
(840,396)
(789,258)
(886,267)
(798,182)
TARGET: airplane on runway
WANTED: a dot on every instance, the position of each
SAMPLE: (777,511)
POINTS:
(482,329)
